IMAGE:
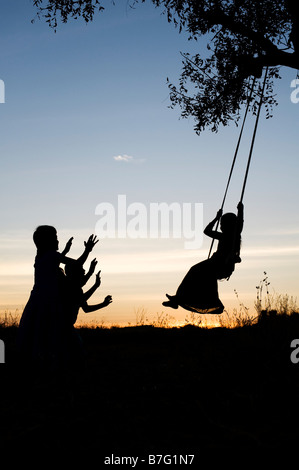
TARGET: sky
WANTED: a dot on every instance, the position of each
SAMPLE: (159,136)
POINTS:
(86,127)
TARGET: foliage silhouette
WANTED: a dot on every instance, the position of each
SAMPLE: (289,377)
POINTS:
(242,37)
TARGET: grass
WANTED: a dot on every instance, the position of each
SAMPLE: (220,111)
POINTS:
(161,320)
(267,306)
(9,319)
(270,306)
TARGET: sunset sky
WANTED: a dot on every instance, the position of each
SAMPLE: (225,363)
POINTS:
(86,119)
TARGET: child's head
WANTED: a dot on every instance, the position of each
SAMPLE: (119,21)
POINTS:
(228,222)
(75,272)
(45,238)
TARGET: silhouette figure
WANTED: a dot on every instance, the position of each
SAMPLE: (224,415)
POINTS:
(74,299)
(198,292)
(40,332)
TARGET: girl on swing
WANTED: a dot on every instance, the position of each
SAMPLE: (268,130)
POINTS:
(198,292)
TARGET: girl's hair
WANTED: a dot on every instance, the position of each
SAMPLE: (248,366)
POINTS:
(45,237)
(73,268)
(229,227)
(228,222)
(75,272)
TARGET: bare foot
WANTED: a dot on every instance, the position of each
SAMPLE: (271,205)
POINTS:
(171,302)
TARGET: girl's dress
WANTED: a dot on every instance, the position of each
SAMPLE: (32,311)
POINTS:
(40,334)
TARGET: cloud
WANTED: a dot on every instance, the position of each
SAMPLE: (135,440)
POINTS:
(123,158)
(128,159)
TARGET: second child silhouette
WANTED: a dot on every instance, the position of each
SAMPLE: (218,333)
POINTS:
(74,299)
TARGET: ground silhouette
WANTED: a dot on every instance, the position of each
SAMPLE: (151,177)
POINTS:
(146,390)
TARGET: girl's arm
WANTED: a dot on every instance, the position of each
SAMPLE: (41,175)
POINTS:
(62,258)
(240,217)
(89,245)
(97,284)
(92,308)
(209,228)
(90,271)
(91,242)
(67,247)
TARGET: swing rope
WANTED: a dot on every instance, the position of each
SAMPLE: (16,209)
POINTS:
(238,145)
(254,134)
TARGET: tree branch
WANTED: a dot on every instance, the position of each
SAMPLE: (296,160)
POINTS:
(273,57)
(220,18)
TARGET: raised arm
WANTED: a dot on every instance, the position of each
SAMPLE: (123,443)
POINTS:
(89,245)
(91,291)
(209,228)
(67,247)
(240,217)
(90,271)
(92,308)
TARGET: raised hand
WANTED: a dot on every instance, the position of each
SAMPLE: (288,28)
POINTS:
(92,266)
(91,242)
(107,300)
(219,214)
(98,279)
(68,246)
